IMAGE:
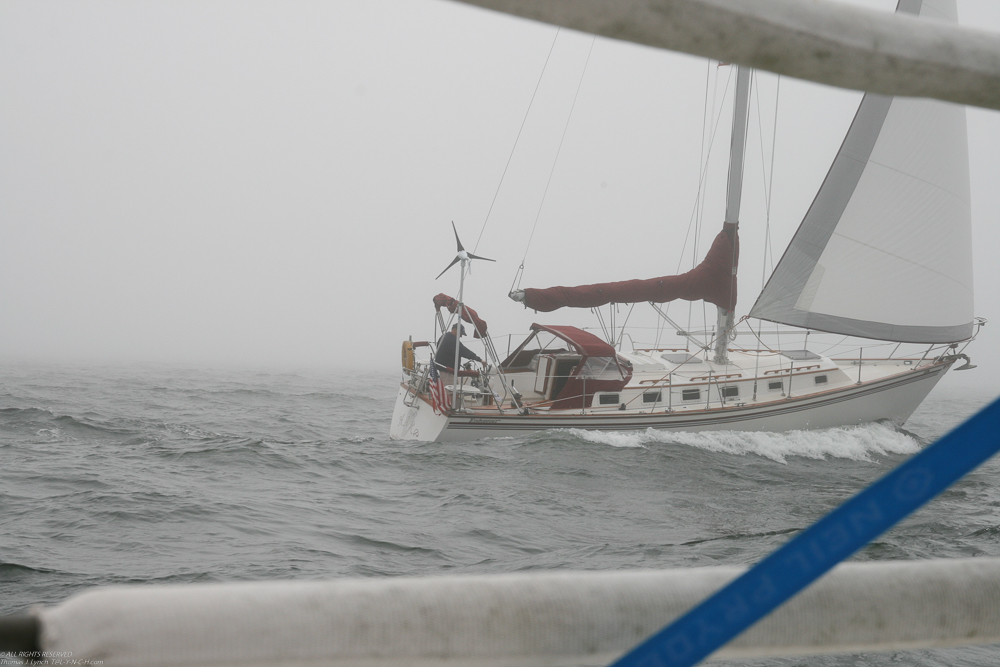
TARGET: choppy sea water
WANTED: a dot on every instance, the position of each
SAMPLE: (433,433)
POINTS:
(157,474)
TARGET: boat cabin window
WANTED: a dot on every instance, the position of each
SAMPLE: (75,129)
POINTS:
(652,397)
(680,358)
(601,368)
(730,392)
(799,355)
(608,399)
(690,394)
(820,379)
(775,386)
(526,356)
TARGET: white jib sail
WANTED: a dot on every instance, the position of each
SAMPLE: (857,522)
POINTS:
(885,250)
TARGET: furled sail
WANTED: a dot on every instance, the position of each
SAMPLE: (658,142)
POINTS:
(885,250)
(714,280)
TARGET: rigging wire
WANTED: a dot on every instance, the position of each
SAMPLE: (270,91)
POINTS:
(699,223)
(621,336)
(768,249)
(768,182)
(768,188)
(541,204)
(699,220)
(702,161)
(699,228)
(711,130)
(600,321)
(516,139)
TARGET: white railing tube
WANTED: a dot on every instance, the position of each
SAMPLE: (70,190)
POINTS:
(823,41)
(518,620)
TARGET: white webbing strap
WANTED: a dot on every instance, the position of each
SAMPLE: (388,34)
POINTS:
(517,619)
(820,40)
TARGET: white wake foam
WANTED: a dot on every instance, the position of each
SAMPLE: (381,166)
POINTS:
(858,443)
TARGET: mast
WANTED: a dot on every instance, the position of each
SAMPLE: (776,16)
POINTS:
(734,193)
(462,258)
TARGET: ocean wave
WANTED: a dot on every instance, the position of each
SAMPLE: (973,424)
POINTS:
(42,425)
(16,571)
(857,443)
(26,419)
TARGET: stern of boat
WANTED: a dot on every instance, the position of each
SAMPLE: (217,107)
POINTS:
(413,418)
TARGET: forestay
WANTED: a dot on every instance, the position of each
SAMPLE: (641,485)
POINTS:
(885,250)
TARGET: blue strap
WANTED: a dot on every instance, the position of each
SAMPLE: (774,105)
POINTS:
(817,549)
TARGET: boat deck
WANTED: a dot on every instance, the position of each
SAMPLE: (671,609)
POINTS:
(674,380)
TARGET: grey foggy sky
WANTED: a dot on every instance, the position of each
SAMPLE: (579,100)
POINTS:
(272,183)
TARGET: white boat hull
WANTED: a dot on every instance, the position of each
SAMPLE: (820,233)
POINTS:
(892,399)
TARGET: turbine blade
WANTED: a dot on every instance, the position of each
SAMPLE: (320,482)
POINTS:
(457,240)
(471,256)
(453,263)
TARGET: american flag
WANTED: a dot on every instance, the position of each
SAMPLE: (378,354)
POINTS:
(439,397)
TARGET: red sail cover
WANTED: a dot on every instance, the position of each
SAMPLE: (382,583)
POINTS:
(714,280)
(469,315)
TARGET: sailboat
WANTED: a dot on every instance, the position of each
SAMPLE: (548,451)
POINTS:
(882,254)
